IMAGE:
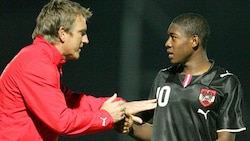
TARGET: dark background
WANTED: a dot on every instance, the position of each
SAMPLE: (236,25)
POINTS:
(126,47)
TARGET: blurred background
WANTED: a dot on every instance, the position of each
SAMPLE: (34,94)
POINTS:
(126,48)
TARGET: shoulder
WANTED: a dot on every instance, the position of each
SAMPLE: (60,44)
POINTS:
(34,52)
(35,58)
(226,76)
(172,69)
(165,73)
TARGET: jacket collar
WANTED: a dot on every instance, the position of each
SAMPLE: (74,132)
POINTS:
(53,52)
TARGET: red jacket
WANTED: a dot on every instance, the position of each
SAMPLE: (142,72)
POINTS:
(34,106)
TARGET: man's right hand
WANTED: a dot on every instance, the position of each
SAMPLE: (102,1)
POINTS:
(115,108)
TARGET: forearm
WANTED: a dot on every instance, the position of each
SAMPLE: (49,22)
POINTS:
(141,132)
(226,136)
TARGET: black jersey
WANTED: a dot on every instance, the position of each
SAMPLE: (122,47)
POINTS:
(210,103)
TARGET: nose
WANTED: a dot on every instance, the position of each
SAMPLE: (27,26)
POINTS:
(85,39)
(168,43)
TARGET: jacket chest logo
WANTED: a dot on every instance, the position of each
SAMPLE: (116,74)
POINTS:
(207,97)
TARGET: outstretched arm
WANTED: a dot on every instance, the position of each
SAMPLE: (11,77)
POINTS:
(135,107)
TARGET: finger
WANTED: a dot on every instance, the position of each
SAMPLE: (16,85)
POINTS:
(137,119)
(125,131)
(140,106)
(112,98)
(146,107)
(149,101)
(152,100)
(122,115)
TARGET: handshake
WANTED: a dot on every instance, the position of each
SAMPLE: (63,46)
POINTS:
(123,112)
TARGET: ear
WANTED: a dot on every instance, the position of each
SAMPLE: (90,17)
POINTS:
(61,34)
(195,40)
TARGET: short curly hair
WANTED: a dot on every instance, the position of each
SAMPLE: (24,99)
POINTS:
(194,24)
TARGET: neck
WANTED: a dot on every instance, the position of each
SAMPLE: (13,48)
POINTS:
(197,65)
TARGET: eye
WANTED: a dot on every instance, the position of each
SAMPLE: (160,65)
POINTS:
(83,33)
(173,37)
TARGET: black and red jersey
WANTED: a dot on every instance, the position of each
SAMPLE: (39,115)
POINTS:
(195,108)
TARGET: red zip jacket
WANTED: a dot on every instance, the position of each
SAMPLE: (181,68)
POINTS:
(34,106)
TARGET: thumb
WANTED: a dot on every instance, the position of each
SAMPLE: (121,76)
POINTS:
(137,119)
(112,98)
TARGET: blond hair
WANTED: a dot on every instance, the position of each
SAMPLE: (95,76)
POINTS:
(56,14)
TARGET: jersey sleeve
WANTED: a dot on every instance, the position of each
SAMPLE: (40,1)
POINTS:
(230,114)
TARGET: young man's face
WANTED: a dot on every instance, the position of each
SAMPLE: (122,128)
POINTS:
(75,39)
(179,46)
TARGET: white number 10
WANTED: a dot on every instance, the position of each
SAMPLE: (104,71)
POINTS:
(162,95)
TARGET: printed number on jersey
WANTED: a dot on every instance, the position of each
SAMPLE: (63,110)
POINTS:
(162,95)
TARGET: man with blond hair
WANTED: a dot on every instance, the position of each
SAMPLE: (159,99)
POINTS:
(34,104)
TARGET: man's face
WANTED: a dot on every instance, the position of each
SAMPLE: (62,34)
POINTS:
(75,39)
(178,45)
